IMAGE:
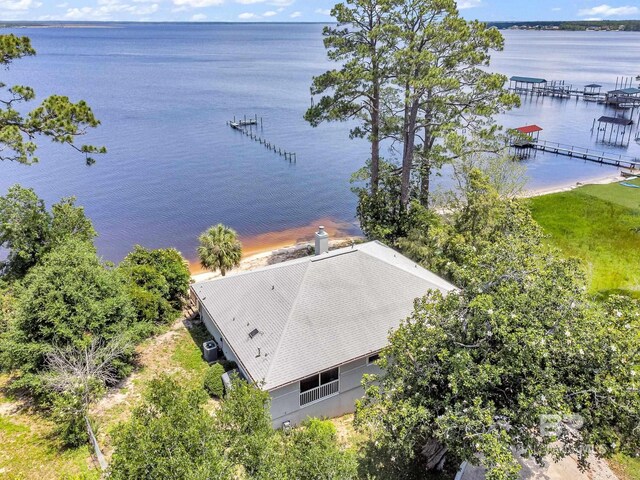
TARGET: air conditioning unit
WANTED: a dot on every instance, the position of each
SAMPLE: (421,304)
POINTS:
(210,351)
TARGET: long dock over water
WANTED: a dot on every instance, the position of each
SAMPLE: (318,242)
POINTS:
(245,127)
(624,96)
(587,154)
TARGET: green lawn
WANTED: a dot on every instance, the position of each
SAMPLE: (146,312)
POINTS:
(28,446)
(29,449)
(599,224)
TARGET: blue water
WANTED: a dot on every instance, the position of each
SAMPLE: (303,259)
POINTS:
(165,92)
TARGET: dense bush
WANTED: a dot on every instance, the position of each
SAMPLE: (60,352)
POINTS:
(212,381)
(158,283)
(68,416)
(228,365)
(65,299)
(28,231)
(170,436)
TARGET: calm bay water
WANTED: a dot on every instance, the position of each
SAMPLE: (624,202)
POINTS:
(165,92)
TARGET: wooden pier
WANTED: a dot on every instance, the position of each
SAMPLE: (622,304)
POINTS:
(587,154)
(246,128)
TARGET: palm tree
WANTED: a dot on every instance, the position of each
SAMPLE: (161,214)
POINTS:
(220,249)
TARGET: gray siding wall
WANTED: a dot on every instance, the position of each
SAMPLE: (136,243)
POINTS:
(217,336)
(285,401)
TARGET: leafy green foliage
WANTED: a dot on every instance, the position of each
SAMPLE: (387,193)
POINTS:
(220,249)
(381,214)
(170,436)
(477,374)
(245,420)
(313,451)
(65,300)
(68,414)
(68,220)
(148,290)
(158,283)
(28,231)
(170,264)
(24,229)
(56,118)
(212,381)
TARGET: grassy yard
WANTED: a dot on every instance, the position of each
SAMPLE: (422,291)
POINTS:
(28,448)
(599,224)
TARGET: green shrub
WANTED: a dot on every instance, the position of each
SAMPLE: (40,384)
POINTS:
(68,415)
(213,380)
(228,365)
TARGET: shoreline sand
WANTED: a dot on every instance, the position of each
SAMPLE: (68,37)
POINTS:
(274,247)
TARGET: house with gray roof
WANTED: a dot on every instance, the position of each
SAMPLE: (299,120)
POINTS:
(306,330)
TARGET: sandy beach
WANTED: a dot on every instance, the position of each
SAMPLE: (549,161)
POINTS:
(274,247)
(600,180)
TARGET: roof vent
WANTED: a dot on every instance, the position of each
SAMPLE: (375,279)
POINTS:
(253,333)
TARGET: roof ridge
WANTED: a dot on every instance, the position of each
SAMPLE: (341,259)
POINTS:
(292,261)
(409,271)
(286,324)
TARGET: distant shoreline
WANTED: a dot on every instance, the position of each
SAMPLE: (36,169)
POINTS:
(546,25)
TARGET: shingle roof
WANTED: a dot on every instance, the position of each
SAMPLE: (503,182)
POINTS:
(316,312)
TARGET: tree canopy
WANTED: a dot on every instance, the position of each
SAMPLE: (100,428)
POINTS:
(56,118)
(519,360)
(172,436)
(66,299)
(413,72)
(220,249)
(28,230)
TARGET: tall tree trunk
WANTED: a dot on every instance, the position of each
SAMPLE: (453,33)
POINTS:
(425,169)
(409,137)
(434,453)
(375,136)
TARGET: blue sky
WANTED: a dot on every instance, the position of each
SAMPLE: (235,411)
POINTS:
(295,10)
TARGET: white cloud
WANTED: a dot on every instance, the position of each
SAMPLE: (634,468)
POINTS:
(464,4)
(281,3)
(270,13)
(605,10)
(198,17)
(556,9)
(323,11)
(17,4)
(198,3)
(248,16)
(62,5)
(249,2)
(295,15)
(106,8)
